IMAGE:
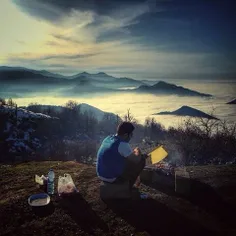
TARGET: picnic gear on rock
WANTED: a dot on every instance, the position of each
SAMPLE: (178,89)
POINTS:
(41,199)
(50,183)
(40,179)
(66,185)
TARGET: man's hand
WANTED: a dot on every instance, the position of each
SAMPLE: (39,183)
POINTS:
(137,151)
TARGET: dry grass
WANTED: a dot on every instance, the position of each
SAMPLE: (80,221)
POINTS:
(86,214)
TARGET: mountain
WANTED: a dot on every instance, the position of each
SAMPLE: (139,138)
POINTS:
(99,114)
(39,72)
(49,74)
(232,102)
(101,76)
(132,82)
(9,68)
(83,83)
(12,76)
(80,80)
(23,113)
(187,111)
(16,75)
(166,88)
(85,86)
(148,82)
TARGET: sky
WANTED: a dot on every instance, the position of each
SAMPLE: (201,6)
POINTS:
(142,39)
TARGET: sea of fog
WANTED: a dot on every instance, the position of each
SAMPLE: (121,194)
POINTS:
(142,106)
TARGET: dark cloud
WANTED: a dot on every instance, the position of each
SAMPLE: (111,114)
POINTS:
(54,9)
(67,56)
(55,65)
(49,57)
(66,38)
(52,43)
(21,42)
(188,26)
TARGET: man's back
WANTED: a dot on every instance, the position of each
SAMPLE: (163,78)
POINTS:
(111,157)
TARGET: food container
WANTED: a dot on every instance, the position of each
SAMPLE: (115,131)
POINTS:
(66,185)
(41,199)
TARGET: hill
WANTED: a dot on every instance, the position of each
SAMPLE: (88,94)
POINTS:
(21,113)
(232,102)
(84,107)
(187,111)
(85,214)
(14,75)
(17,130)
(27,131)
(165,88)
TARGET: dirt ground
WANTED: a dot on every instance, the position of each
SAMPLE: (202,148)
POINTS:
(208,210)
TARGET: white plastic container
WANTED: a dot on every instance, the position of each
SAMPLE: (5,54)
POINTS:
(41,199)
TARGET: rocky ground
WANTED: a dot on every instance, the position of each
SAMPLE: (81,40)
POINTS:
(209,208)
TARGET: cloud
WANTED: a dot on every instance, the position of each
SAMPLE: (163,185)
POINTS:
(21,42)
(68,56)
(52,43)
(27,57)
(157,37)
(56,65)
(66,38)
(53,10)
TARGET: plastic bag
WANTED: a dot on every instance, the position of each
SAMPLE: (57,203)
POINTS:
(40,180)
(66,185)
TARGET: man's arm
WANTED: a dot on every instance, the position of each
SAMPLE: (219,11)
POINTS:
(133,155)
(136,155)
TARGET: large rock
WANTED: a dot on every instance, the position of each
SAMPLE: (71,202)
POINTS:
(118,191)
(182,182)
(115,190)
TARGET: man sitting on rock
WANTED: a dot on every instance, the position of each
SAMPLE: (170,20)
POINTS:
(117,163)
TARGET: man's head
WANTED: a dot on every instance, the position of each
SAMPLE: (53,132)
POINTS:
(125,130)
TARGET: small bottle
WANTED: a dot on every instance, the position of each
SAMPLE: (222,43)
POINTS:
(50,184)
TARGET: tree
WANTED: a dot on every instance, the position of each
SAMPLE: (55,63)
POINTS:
(72,105)
(11,103)
(34,107)
(129,117)
(2,102)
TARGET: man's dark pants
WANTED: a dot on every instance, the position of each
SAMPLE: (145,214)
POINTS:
(133,168)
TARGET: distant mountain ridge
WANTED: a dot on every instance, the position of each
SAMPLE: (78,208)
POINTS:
(83,83)
(13,74)
(232,102)
(187,111)
(166,88)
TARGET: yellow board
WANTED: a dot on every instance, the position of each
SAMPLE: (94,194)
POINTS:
(157,155)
